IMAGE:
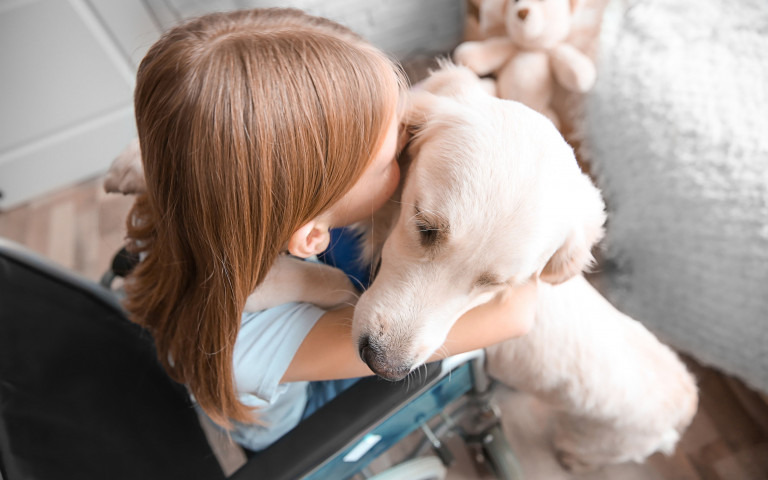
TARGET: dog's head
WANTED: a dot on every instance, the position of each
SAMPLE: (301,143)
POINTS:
(493,197)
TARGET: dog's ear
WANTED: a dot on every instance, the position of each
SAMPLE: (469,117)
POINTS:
(429,95)
(413,121)
(420,106)
(575,254)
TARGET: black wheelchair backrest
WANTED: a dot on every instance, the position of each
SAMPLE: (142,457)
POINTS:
(82,394)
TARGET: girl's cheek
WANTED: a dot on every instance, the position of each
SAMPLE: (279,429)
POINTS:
(394,179)
(388,185)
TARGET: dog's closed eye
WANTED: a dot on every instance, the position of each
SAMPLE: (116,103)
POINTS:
(432,232)
(428,234)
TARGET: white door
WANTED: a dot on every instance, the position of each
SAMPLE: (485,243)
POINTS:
(66,90)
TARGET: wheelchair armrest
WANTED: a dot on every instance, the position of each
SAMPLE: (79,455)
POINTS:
(336,425)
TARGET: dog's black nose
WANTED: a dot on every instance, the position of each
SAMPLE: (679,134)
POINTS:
(377,362)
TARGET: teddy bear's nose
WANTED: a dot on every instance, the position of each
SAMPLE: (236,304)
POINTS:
(522,13)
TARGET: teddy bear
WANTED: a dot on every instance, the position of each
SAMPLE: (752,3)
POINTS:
(533,56)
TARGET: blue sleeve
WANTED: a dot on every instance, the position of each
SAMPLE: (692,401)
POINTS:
(266,344)
(344,252)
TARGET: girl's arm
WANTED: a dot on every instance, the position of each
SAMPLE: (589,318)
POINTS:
(328,351)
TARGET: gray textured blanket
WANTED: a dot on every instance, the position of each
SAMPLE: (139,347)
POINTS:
(677,136)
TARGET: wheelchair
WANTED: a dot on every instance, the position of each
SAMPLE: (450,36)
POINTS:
(82,396)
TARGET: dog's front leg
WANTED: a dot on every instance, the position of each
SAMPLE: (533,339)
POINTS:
(294,280)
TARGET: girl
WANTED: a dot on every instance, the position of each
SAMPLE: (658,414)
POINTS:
(260,130)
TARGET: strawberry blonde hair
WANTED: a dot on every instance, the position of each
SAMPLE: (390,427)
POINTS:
(251,123)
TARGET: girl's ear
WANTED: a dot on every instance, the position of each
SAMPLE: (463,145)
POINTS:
(311,239)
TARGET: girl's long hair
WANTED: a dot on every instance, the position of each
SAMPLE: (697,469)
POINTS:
(251,123)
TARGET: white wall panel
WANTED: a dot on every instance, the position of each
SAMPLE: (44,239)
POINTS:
(64,89)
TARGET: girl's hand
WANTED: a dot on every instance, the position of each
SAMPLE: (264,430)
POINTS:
(510,314)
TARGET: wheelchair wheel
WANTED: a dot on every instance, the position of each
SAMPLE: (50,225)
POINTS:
(422,468)
(499,455)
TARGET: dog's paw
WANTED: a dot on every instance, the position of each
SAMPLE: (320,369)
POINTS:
(126,174)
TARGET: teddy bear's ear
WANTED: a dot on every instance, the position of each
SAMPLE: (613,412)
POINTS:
(575,4)
(574,254)
(491,17)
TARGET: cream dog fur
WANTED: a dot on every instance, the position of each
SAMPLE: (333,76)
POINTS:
(620,395)
(494,197)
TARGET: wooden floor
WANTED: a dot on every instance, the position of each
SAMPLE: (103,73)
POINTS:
(81,228)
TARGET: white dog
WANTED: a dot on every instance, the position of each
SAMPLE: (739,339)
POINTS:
(494,197)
